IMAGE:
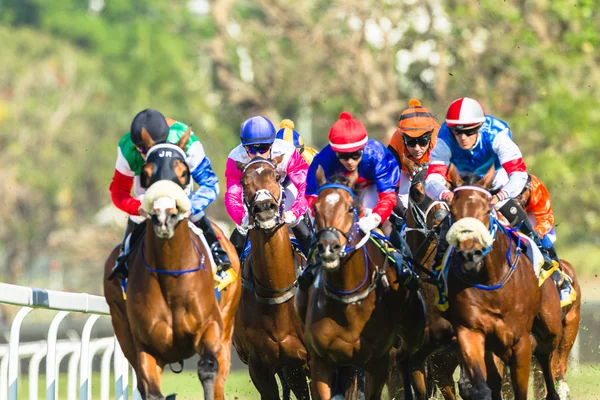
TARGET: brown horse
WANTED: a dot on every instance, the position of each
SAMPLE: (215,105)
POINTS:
(356,308)
(571,316)
(422,220)
(494,298)
(268,334)
(171,311)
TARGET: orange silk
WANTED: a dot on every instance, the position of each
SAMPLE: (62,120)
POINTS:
(540,205)
(406,159)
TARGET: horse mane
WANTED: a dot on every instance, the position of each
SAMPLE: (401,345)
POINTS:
(469,178)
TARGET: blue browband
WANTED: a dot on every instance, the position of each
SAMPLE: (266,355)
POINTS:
(335,186)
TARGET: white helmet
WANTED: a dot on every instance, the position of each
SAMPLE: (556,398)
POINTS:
(464,113)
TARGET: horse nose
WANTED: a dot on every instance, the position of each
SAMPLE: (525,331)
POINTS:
(265,206)
(471,255)
(336,247)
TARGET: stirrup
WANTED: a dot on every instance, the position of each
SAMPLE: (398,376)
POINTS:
(567,294)
(220,256)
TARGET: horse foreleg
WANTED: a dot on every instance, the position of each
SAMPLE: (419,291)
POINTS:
(419,383)
(376,376)
(263,379)
(322,379)
(495,369)
(443,365)
(296,380)
(149,372)
(520,365)
(210,370)
(472,350)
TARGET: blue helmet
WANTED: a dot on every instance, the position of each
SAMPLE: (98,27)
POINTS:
(257,130)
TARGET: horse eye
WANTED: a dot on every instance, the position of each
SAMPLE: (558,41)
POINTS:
(351,208)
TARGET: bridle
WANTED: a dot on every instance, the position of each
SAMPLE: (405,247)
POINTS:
(264,194)
(355,295)
(420,211)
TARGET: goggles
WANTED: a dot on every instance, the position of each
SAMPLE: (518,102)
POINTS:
(355,155)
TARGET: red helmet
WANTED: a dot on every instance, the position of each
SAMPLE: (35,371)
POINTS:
(464,113)
(347,134)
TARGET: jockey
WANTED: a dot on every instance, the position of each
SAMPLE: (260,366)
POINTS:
(473,142)
(257,136)
(411,144)
(286,132)
(349,150)
(130,160)
(535,199)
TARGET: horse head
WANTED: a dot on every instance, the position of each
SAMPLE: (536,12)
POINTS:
(335,217)
(427,212)
(472,231)
(263,195)
(166,176)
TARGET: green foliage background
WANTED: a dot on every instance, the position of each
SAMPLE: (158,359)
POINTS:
(73,74)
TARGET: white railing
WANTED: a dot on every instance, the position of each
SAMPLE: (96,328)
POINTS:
(82,352)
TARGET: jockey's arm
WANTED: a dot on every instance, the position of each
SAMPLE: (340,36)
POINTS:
(120,193)
(387,176)
(122,181)
(511,159)
(297,169)
(541,206)
(208,188)
(234,203)
(435,180)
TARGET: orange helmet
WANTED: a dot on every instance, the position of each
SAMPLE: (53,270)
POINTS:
(416,120)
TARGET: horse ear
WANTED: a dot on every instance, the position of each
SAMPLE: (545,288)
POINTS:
(486,181)
(277,160)
(455,179)
(352,178)
(321,180)
(240,165)
(147,139)
(182,144)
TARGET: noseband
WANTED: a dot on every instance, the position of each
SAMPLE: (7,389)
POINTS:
(352,233)
(495,226)
(264,194)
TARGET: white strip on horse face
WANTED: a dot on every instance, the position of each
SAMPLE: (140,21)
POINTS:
(332,199)
(260,170)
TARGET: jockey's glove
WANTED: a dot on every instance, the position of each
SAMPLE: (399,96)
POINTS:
(369,222)
(244,226)
(289,218)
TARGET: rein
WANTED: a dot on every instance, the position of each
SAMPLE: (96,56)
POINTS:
(351,296)
(171,272)
(494,225)
(264,194)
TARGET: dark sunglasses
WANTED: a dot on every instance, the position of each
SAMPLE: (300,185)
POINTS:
(413,142)
(258,148)
(465,131)
(355,155)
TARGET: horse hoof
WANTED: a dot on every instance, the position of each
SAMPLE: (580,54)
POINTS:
(171,396)
(208,367)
